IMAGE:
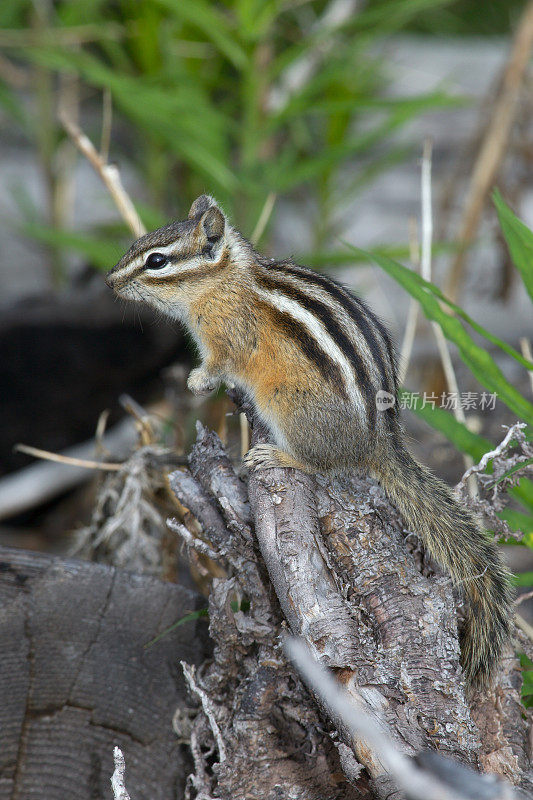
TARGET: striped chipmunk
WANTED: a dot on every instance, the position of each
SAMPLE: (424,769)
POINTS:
(315,362)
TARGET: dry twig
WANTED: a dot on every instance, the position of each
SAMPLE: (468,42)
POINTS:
(207,705)
(412,314)
(108,173)
(46,455)
(107,121)
(494,144)
(501,450)
(523,597)
(507,469)
(442,344)
(264,217)
(191,541)
(425,261)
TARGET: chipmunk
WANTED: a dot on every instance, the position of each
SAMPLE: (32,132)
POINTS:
(312,357)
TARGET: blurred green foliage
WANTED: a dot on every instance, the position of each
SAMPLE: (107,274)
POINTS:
(463,18)
(245,99)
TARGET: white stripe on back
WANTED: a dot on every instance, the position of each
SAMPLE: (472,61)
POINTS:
(320,334)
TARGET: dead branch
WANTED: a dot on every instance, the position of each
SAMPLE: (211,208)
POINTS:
(262,718)
(360,612)
(31,486)
(345,583)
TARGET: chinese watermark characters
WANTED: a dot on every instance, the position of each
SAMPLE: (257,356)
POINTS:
(448,401)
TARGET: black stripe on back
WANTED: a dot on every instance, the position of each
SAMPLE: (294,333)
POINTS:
(353,306)
(386,338)
(323,313)
(298,333)
(360,314)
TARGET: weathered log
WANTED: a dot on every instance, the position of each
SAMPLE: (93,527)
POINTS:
(76,678)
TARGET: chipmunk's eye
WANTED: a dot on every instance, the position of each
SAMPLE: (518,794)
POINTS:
(156,261)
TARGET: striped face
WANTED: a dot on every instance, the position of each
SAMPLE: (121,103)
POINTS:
(160,267)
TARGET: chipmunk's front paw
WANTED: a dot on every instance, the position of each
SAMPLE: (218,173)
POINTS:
(202,382)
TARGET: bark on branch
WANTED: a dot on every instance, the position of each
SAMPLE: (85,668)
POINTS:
(360,594)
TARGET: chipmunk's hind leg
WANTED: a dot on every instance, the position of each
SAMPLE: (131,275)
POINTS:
(313,442)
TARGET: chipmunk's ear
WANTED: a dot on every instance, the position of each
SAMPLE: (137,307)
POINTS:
(213,224)
(200,205)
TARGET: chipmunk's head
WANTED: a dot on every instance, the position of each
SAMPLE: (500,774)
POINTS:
(168,267)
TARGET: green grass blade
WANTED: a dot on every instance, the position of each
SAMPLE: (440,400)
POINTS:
(518,521)
(476,446)
(519,240)
(214,24)
(183,119)
(524,493)
(190,617)
(490,337)
(475,357)
(517,468)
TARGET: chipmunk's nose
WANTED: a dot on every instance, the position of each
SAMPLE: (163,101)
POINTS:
(110,279)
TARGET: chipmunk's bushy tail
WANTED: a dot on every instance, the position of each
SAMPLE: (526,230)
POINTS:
(452,536)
